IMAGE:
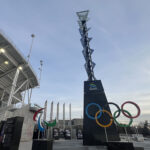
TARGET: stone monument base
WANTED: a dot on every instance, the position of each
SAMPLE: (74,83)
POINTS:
(119,146)
(93,134)
(42,145)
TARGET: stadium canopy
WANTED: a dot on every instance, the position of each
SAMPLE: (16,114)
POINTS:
(16,75)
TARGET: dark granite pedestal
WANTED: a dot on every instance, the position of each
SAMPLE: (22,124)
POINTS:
(42,145)
(119,146)
(93,134)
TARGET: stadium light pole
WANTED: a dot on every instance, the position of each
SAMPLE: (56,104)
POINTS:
(28,57)
(40,69)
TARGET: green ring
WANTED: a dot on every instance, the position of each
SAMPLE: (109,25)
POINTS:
(50,124)
(123,125)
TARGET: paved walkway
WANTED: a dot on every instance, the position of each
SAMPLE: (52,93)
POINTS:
(145,144)
(74,145)
(77,145)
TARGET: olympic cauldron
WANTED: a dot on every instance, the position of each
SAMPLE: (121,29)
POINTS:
(94,96)
(98,123)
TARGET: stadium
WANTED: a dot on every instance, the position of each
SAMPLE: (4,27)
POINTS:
(17,79)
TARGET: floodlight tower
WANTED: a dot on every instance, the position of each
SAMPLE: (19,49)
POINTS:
(40,69)
(28,57)
(94,95)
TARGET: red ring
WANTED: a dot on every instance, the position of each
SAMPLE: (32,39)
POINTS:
(138,108)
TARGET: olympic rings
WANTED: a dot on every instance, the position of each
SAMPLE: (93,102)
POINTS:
(123,125)
(93,118)
(116,107)
(101,125)
(115,115)
(138,108)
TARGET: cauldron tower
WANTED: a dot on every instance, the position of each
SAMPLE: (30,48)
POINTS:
(94,95)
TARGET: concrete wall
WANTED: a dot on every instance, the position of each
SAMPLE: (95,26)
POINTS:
(74,122)
(77,122)
(27,128)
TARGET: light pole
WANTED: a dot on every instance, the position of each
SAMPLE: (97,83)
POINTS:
(28,57)
(41,66)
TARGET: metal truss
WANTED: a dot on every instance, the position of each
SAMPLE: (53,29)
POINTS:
(15,87)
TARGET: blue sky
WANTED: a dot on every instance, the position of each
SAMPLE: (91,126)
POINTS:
(121,35)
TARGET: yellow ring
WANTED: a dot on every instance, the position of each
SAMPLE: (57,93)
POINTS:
(104,126)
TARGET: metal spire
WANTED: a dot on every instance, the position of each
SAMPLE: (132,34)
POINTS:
(51,112)
(85,40)
(57,115)
(45,111)
(64,116)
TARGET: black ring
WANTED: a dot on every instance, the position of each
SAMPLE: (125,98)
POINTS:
(116,106)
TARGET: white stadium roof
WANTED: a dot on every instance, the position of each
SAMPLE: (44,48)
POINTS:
(10,61)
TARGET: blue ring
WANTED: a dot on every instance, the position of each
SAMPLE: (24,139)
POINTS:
(93,118)
(39,125)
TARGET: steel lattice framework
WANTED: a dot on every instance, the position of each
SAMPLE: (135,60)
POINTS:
(16,75)
(85,40)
